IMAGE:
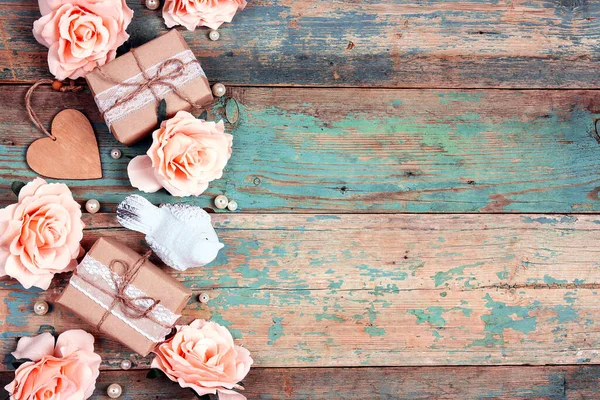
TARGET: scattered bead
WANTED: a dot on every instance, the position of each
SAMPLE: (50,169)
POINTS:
(203,298)
(115,153)
(57,85)
(152,4)
(125,364)
(221,202)
(92,206)
(218,89)
(114,391)
(232,205)
(214,35)
(41,307)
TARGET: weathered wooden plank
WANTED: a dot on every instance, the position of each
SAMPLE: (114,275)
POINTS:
(380,290)
(552,383)
(392,43)
(383,151)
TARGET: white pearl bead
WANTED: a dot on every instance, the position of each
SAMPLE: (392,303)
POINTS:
(125,364)
(232,205)
(41,307)
(152,4)
(115,153)
(203,298)
(92,206)
(221,202)
(218,89)
(114,391)
(214,35)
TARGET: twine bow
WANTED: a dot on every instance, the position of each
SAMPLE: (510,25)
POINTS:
(161,77)
(129,305)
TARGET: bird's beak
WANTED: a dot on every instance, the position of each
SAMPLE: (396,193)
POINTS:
(220,245)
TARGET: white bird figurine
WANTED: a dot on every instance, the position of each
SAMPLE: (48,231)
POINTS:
(181,235)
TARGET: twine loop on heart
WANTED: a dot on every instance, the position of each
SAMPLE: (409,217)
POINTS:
(32,115)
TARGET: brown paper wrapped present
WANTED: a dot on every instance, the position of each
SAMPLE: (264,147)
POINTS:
(137,303)
(128,89)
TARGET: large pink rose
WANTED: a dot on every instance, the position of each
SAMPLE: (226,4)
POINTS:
(81,34)
(202,356)
(40,235)
(186,154)
(66,371)
(194,13)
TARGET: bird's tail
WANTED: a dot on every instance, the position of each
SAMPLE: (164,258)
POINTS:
(138,214)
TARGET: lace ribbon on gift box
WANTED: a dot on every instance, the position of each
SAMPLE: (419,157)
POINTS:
(150,85)
(102,285)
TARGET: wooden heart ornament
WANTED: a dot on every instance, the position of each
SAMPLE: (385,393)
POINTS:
(73,155)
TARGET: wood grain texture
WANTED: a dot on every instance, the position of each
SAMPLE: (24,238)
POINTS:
(382,151)
(391,43)
(71,154)
(464,383)
(378,290)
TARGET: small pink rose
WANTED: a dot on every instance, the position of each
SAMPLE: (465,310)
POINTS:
(67,370)
(202,356)
(194,13)
(40,235)
(186,154)
(81,34)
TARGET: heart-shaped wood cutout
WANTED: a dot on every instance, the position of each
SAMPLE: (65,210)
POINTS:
(73,155)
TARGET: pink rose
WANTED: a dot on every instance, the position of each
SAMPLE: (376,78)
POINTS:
(193,13)
(40,235)
(186,154)
(66,371)
(202,356)
(81,34)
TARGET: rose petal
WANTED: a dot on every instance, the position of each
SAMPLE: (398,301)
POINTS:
(141,174)
(34,348)
(30,188)
(72,341)
(15,269)
(230,395)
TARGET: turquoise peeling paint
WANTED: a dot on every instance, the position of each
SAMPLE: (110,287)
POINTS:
(374,331)
(20,306)
(376,273)
(442,277)
(336,285)
(503,275)
(322,218)
(275,331)
(449,97)
(414,268)
(434,314)
(564,313)
(276,146)
(550,280)
(503,317)
(550,220)
(328,317)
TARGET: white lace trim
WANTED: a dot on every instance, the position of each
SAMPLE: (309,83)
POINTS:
(92,269)
(106,99)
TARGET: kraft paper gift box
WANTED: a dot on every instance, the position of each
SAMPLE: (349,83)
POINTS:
(91,294)
(114,82)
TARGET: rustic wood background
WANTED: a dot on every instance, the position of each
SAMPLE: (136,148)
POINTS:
(418,189)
